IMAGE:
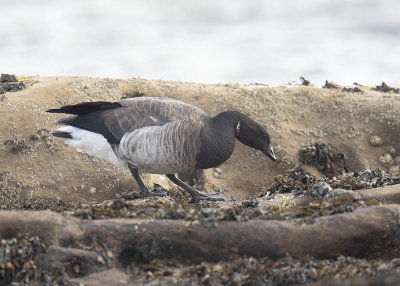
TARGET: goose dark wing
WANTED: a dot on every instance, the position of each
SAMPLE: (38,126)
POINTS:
(131,114)
(147,111)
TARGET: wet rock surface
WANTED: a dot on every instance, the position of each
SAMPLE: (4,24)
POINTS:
(78,259)
(158,251)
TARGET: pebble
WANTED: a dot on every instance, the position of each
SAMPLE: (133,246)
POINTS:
(395,261)
(218,170)
(343,195)
(320,189)
(391,150)
(35,137)
(216,175)
(9,265)
(376,141)
(172,280)
(394,170)
(28,265)
(386,159)
(76,268)
(100,259)
(217,268)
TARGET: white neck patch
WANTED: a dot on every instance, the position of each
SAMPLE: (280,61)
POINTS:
(237,128)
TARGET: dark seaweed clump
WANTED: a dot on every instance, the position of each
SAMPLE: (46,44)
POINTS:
(18,146)
(325,158)
(368,179)
(9,83)
(296,181)
(209,215)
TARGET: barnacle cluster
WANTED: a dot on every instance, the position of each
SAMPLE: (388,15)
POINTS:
(20,259)
(164,208)
(18,146)
(264,271)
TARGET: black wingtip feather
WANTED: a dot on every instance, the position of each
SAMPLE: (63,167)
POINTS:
(61,134)
(86,107)
(65,120)
(54,111)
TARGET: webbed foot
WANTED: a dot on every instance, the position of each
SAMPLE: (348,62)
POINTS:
(144,193)
(197,196)
(159,193)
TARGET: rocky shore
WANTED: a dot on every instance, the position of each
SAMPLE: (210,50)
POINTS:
(326,212)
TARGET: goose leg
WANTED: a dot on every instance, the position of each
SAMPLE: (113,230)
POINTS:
(195,194)
(144,191)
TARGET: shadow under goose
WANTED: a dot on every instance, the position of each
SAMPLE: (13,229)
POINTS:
(159,136)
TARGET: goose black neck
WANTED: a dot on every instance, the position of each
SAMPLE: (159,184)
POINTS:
(217,140)
(227,118)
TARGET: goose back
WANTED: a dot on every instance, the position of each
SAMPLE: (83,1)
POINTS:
(134,114)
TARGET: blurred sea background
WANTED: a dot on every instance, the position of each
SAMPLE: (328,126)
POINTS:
(264,41)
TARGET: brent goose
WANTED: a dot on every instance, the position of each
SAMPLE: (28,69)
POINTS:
(159,136)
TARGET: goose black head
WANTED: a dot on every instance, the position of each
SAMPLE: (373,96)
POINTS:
(254,135)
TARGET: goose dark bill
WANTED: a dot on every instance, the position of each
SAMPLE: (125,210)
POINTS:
(159,136)
(269,151)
